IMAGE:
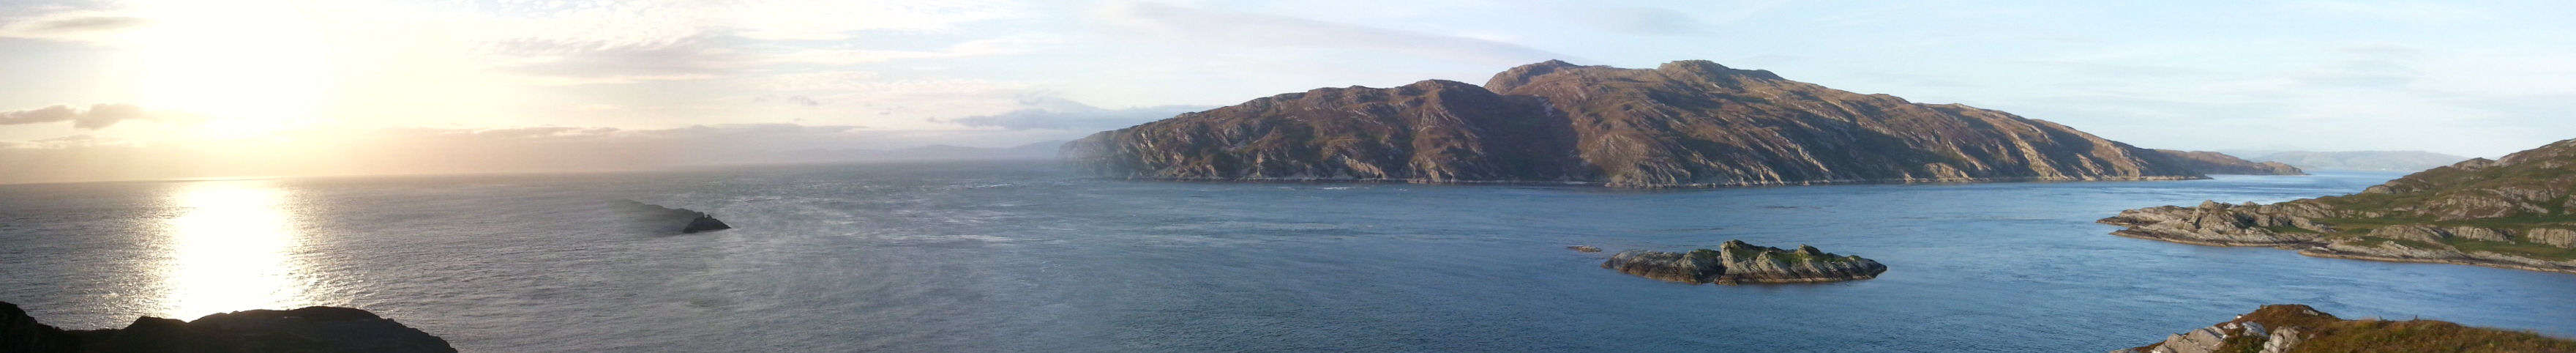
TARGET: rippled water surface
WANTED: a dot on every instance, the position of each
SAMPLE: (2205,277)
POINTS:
(996,256)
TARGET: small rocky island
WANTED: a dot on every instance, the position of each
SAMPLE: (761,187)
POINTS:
(1737,262)
(311,329)
(2299,328)
(2514,212)
(656,217)
(1689,123)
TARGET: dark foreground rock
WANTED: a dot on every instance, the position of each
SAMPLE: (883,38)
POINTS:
(1685,124)
(662,219)
(2513,212)
(1736,262)
(311,329)
(2299,328)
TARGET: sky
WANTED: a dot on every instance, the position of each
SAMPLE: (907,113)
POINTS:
(115,90)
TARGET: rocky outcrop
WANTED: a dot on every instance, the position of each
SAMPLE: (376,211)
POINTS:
(1583,248)
(2299,328)
(310,329)
(2220,163)
(1684,124)
(2509,213)
(1736,262)
(656,218)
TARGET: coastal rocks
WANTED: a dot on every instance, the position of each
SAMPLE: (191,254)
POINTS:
(2220,163)
(2290,327)
(1583,248)
(2513,212)
(1683,124)
(310,329)
(663,219)
(1736,262)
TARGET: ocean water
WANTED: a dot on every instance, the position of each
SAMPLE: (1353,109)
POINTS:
(1028,257)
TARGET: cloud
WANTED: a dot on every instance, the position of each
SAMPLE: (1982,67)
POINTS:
(73,26)
(96,117)
(1261,30)
(1050,113)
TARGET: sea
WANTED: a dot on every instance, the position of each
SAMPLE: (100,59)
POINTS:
(1030,256)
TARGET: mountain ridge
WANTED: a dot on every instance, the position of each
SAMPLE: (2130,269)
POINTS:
(1689,123)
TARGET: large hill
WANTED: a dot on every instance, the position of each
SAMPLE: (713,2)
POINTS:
(1684,124)
(2513,212)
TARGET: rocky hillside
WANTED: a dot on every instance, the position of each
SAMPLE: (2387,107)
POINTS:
(2512,212)
(1736,262)
(2221,163)
(2299,328)
(311,329)
(2360,160)
(1685,124)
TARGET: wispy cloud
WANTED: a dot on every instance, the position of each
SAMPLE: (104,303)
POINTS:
(96,117)
(87,26)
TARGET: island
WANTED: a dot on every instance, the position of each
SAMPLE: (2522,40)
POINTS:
(2299,328)
(2512,212)
(1736,262)
(1690,123)
(656,218)
(310,329)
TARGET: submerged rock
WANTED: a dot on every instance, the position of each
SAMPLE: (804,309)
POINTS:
(1583,248)
(310,329)
(657,218)
(1737,262)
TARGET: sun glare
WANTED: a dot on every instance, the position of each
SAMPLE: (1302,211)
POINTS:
(249,68)
(229,250)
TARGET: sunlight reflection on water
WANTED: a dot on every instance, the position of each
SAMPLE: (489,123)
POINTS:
(228,250)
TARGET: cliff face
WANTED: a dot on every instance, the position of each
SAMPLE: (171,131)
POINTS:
(2511,213)
(2299,328)
(1736,262)
(1685,124)
(2221,163)
(311,329)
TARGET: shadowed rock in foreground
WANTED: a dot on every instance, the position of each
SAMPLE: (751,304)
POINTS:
(311,329)
(1685,124)
(2514,212)
(1736,262)
(2299,328)
(658,218)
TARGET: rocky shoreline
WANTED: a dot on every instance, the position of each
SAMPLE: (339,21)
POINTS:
(2283,227)
(2513,212)
(1737,262)
(310,329)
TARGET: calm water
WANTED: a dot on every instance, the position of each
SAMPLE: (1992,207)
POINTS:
(986,257)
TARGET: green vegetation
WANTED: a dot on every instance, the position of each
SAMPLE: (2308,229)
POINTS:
(2423,336)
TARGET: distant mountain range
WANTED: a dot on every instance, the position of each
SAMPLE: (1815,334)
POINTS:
(1033,151)
(2357,160)
(1683,124)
